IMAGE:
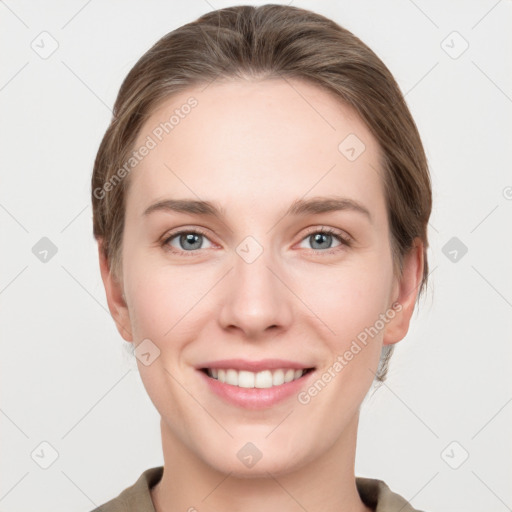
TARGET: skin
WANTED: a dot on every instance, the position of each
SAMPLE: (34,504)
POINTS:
(255,147)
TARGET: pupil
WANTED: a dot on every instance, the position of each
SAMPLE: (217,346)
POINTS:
(318,239)
(189,239)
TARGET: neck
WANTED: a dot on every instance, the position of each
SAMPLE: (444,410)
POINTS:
(325,484)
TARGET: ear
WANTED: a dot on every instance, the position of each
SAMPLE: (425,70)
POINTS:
(405,293)
(115,297)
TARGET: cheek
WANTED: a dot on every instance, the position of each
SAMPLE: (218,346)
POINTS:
(348,298)
(160,295)
(351,306)
(158,305)
(162,301)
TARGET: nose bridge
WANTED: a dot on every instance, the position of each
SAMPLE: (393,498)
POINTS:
(254,298)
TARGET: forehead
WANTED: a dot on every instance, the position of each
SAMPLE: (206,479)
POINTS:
(269,141)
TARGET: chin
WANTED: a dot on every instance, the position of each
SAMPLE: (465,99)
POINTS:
(250,462)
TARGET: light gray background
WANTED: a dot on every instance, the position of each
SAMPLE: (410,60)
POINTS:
(65,377)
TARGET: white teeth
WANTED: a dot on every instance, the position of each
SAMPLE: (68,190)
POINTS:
(289,375)
(263,379)
(232,377)
(245,380)
(278,378)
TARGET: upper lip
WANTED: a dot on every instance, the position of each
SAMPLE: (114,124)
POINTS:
(254,366)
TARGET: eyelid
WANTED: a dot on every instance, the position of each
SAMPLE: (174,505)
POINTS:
(343,235)
(182,230)
(345,240)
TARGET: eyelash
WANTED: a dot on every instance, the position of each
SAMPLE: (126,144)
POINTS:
(344,241)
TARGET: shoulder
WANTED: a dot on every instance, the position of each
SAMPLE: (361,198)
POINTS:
(379,497)
(137,497)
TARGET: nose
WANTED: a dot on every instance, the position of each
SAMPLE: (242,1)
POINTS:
(256,299)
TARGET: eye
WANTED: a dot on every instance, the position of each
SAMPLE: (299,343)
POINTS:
(191,240)
(321,240)
(186,241)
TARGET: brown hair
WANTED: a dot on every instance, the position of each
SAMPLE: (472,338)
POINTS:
(270,41)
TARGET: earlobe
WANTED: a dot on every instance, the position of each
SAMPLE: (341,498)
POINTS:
(408,289)
(115,297)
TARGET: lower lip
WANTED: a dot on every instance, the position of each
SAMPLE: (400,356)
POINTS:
(256,398)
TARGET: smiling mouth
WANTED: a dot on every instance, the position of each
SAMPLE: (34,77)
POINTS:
(263,379)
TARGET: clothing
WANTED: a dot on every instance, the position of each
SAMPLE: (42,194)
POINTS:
(137,498)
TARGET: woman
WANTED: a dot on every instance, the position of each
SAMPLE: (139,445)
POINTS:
(260,202)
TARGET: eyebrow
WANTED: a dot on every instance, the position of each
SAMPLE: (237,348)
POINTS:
(300,207)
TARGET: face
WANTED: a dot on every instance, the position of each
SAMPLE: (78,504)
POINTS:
(287,265)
